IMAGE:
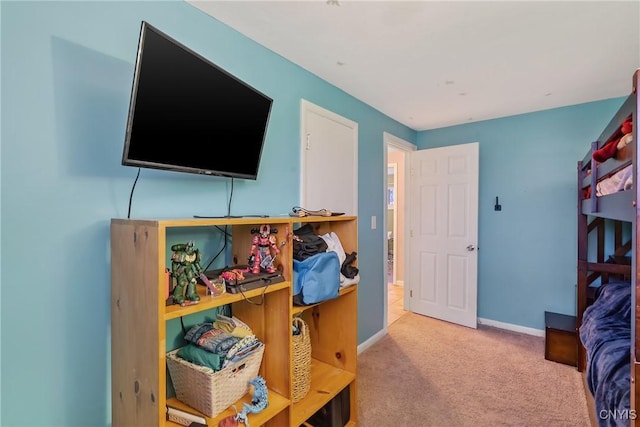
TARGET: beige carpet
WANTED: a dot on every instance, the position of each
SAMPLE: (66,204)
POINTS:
(427,372)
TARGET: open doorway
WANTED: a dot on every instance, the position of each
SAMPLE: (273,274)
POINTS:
(396,151)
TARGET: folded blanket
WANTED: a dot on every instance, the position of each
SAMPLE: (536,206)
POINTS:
(619,181)
(196,331)
(233,326)
(217,341)
(199,356)
(216,345)
(205,335)
(242,349)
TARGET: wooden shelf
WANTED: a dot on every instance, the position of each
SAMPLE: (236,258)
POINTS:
(277,404)
(209,301)
(326,383)
(140,383)
(297,309)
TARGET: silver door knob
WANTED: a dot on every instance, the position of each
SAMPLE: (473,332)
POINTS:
(470,248)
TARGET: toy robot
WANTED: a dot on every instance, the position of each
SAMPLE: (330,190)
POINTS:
(260,253)
(185,267)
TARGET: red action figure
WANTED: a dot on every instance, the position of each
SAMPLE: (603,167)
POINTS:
(260,253)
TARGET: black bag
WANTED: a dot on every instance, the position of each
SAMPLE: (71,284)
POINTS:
(306,243)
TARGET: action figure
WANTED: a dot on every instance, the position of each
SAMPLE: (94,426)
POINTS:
(259,401)
(185,266)
(260,253)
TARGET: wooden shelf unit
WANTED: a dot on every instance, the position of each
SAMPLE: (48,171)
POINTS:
(139,317)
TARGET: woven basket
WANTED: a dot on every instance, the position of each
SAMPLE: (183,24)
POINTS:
(301,360)
(212,392)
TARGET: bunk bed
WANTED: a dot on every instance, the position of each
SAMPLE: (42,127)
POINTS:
(608,301)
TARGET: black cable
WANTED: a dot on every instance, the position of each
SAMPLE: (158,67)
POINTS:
(230,197)
(224,245)
(131,195)
(184,330)
(228,209)
(264,290)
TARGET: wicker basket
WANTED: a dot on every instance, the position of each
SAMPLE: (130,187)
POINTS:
(212,392)
(301,360)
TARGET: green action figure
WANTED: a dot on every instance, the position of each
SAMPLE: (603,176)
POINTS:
(185,267)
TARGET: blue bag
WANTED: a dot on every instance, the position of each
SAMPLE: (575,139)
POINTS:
(316,278)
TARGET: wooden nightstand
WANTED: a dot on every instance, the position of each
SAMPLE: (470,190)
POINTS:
(560,341)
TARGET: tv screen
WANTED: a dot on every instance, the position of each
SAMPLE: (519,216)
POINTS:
(187,114)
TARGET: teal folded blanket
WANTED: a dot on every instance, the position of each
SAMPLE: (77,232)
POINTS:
(200,356)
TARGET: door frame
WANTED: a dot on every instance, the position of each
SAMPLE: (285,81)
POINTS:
(392,141)
(393,166)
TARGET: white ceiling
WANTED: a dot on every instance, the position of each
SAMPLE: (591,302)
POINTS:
(431,64)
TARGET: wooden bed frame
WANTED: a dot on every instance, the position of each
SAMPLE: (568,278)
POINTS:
(613,218)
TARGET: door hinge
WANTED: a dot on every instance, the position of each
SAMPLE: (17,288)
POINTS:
(308,141)
(410,294)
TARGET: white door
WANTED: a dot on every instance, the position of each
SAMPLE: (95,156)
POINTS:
(329,161)
(443,233)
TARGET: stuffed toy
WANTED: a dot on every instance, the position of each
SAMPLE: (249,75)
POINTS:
(627,132)
(621,138)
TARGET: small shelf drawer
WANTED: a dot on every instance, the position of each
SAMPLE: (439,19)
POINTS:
(560,341)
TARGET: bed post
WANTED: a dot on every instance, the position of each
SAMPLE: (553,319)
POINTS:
(582,269)
(635,327)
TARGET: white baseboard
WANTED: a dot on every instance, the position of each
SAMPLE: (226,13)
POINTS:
(511,327)
(371,341)
(488,322)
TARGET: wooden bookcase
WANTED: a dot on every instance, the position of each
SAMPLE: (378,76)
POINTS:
(139,321)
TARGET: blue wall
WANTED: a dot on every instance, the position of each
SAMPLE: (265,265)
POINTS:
(528,251)
(67,70)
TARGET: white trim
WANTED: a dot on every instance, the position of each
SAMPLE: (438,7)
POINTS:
(371,341)
(306,106)
(511,327)
(394,273)
(487,322)
(399,143)
(390,140)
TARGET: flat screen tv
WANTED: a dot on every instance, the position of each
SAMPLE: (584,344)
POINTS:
(187,114)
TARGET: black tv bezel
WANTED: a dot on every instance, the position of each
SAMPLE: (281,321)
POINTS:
(126,161)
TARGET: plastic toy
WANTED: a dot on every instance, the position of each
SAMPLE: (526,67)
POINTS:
(233,276)
(185,267)
(259,401)
(260,252)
